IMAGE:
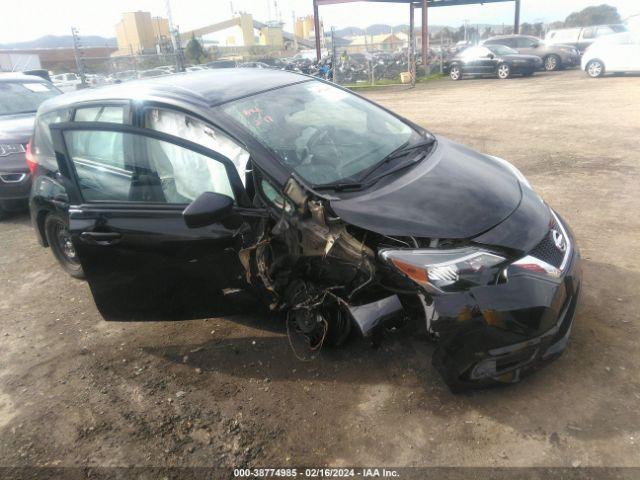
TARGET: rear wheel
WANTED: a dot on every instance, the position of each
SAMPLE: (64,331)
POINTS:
(455,73)
(59,239)
(552,63)
(504,71)
(595,68)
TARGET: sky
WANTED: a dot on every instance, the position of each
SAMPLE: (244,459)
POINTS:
(30,19)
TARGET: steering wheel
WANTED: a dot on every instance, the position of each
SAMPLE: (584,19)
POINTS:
(316,140)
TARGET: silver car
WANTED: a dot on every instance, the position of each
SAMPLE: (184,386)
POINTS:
(554,56)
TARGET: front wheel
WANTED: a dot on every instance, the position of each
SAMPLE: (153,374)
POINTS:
(595,68)
(455,73)
(552,63)
(59,239)
(504,71)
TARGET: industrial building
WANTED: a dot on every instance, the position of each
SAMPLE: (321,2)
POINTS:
(140,33)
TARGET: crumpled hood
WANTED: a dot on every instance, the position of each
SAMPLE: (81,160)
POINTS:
(454,193)
(16,128)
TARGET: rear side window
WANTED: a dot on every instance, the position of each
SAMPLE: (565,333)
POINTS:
(606,30)
(135,168)
(522,43)
(42,144)
(110,114)
(99,144)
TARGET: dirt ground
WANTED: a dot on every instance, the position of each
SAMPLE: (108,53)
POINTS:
(76,390)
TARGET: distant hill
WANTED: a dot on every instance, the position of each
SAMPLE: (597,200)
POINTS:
(380,28)
(53,41)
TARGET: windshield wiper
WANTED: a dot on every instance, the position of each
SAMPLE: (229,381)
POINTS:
(402,151)
(398,153)
(340,186)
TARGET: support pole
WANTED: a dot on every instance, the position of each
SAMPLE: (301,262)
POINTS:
(516,21)
(316,26)
(411,60)
(425,33)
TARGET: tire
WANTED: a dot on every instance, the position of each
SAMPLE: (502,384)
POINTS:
(552,63)
(504,71)
(455,73)
(595,69)
(59,239)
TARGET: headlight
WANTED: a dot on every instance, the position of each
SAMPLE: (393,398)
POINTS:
(441,271)
(517,173)
(10,148)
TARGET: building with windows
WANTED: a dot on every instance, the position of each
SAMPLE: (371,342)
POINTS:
(140,33)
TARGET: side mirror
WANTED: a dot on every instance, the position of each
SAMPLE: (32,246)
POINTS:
(491,56)
(535,45)
(207,209)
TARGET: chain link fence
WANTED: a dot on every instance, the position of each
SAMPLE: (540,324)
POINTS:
(355,65)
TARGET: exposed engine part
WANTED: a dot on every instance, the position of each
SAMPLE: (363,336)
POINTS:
(314,315)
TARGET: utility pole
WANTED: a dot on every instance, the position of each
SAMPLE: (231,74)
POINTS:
(333,55)
(293,29)
(79,56)
(175,40)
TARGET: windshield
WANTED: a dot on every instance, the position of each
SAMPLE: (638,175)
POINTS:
(501,50)
(24,97)
(322,133)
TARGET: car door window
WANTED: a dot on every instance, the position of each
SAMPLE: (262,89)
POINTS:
(589,33)
(185,126)
(100,146)
(275,198)
(42,143)
(523,43)
(601,31)
(135,168)
(110,114)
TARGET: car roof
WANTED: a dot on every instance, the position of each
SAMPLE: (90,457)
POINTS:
(514,35)
(19,77)
(207,88)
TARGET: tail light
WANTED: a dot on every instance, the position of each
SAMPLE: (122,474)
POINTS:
(31,158)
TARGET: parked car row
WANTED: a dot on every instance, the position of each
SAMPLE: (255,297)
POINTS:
(508,55)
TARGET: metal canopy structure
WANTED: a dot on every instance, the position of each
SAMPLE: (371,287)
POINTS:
(424,5)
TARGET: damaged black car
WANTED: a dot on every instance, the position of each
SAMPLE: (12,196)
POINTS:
(167,194)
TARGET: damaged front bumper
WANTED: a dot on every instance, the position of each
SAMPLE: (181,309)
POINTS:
(498,333)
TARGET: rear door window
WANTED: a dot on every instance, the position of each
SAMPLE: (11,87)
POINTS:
(97,145)
(42,144)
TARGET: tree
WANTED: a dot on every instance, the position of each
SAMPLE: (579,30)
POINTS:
(535,29)
(596,15)
(195,52)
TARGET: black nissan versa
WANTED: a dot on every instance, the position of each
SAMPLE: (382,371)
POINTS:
(336,212)
(20,96)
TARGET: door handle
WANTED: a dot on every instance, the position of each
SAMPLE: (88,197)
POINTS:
(101,238)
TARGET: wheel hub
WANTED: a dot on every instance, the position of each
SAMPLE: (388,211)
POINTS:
(65,243)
